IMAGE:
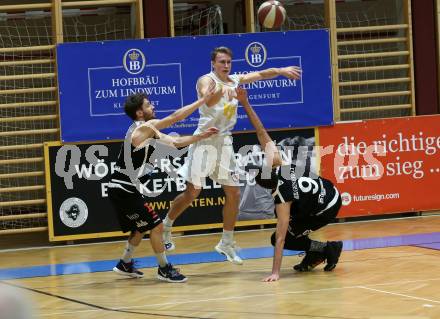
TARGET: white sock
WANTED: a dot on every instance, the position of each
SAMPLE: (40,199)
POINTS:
(162,259)
(227,236)
(127,255)
(168,223)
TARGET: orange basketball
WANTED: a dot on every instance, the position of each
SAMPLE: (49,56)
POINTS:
(271,14)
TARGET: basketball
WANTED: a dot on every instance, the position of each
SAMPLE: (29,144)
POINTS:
(271,14)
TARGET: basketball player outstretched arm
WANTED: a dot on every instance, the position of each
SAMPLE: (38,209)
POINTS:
(181,141)
(283,217)
(273,156)
(206,83)
(183,112)
(290,72)
(152,127)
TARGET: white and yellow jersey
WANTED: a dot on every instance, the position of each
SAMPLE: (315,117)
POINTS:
(222,115)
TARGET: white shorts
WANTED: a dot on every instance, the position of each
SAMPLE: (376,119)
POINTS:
(213,157)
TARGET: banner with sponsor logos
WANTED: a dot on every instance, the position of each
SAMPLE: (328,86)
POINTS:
(383,166)
(77,178)
(95,78)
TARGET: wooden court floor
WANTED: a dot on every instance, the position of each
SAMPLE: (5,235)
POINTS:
(388,269)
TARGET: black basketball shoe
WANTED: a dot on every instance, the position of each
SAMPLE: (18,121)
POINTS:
(170,274)
(128,269)
(332,251)
(310,261)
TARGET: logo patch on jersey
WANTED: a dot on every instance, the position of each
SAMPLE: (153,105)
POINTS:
(305,233)
(73,212)
(229,110)
(256,54)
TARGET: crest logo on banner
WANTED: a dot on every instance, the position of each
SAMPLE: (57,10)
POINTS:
(256,54)
(73,212)
(134,61)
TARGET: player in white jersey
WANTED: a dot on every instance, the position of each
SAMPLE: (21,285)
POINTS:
(214,157)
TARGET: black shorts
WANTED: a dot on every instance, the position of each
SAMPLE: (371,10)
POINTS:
(133,211)
(305,225)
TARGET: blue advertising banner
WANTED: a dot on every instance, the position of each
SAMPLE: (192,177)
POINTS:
(95,78)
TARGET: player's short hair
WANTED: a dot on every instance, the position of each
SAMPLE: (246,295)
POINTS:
(217,50)
(133,103)
(269,182)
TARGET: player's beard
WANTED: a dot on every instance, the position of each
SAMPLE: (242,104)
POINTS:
(152,116)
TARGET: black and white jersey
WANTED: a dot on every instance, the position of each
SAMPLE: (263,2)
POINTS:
(310,195)
(133,166)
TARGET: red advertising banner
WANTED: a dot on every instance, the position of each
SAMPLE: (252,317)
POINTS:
(383,166)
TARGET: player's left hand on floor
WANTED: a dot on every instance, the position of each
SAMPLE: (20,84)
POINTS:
(273,277)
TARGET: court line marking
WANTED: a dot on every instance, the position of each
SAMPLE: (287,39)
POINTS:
(217,233)
(200,274)
(207,257)
(284,293)
(202,300)
(401,282)
(98,307)
(261,295)
(400,295)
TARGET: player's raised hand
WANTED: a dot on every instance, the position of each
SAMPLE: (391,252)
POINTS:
(291,72)
(229,93)
(209,132)
(241,95)
(210,92)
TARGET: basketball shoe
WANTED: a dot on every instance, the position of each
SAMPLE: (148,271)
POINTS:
(170,274)
(310,261)
(127,269)
(230,251)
